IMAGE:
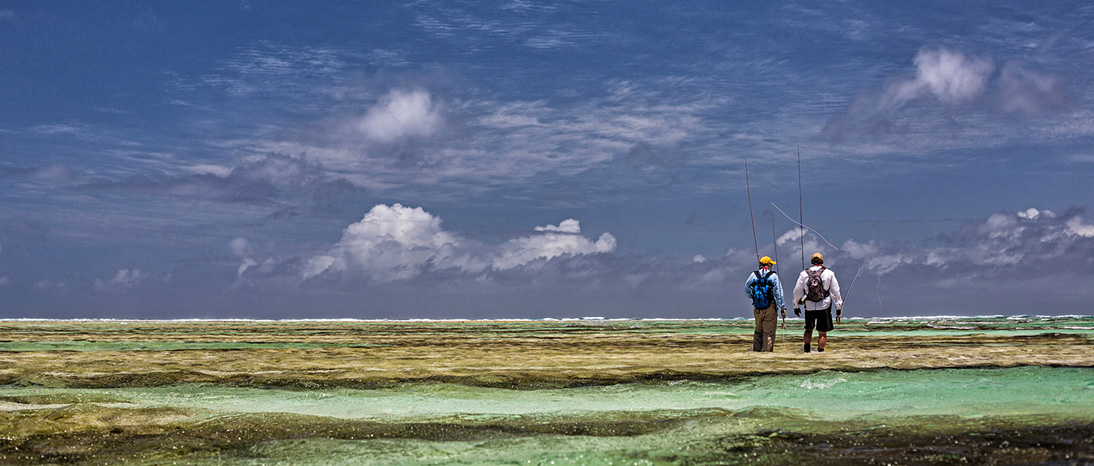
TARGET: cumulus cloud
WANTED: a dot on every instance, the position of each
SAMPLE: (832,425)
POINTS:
(392,243)
(396,242)
(123,280)
(567,226)
(555,241)
(402,114)
(944,74)
(1076,226)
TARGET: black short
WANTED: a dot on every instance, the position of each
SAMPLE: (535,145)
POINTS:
(820,319)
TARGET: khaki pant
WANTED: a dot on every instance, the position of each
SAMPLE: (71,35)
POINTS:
(767,321)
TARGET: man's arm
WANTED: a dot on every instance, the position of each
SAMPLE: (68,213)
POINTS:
(778,291)
(833,291)
(748,284)
(799,290)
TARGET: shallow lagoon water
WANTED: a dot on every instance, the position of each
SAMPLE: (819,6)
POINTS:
(586,392)
(823,396)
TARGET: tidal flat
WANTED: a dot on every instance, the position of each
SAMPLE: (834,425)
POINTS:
(1002,390)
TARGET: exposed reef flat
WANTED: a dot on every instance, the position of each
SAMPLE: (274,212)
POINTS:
(517,354)
(901,391)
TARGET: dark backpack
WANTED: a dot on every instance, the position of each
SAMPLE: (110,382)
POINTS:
(814,290)
(762,290)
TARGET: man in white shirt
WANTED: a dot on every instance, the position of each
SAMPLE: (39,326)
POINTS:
(818,290)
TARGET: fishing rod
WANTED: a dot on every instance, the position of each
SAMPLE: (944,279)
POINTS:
(829,243)
(775,242)
(748,189)
(801,220)
(801,210)
(848,293)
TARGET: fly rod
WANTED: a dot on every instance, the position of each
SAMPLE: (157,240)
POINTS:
(775,242)
(848,293)
(801,210)
(801,219)
(748,189)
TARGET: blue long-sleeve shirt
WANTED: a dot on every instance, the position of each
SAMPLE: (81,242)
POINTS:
(778,288)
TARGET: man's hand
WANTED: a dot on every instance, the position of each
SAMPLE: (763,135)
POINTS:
(839,311)
(797,312)
(784,313)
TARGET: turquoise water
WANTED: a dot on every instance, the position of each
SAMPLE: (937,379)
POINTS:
(822,396)
(680,422)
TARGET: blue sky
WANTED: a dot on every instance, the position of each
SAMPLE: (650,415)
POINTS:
(436,159)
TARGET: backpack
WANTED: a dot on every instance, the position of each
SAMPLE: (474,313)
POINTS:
(762,290)
(815,286)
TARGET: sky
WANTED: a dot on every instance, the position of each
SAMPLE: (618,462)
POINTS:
(524,159)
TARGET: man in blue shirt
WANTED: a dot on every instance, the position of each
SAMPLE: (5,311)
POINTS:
(766,282)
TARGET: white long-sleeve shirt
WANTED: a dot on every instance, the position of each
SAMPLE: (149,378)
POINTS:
(828,279)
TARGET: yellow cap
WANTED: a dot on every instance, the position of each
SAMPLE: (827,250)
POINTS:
(766,261)
(818,256)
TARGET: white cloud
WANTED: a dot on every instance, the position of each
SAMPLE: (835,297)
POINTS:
(860,251)
(947,75)
(215,170)
(1033,236)
(123,280)
(242,249)
(1032,214)
(1076,226)
(396,242)
(1000,224)
(793,234)
(556,241)
(400,115)
(392,243)
(567,226)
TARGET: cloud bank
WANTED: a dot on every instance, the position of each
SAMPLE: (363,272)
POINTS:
(396,243)
(1003,242)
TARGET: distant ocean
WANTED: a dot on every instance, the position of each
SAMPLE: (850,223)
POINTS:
(790,317)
